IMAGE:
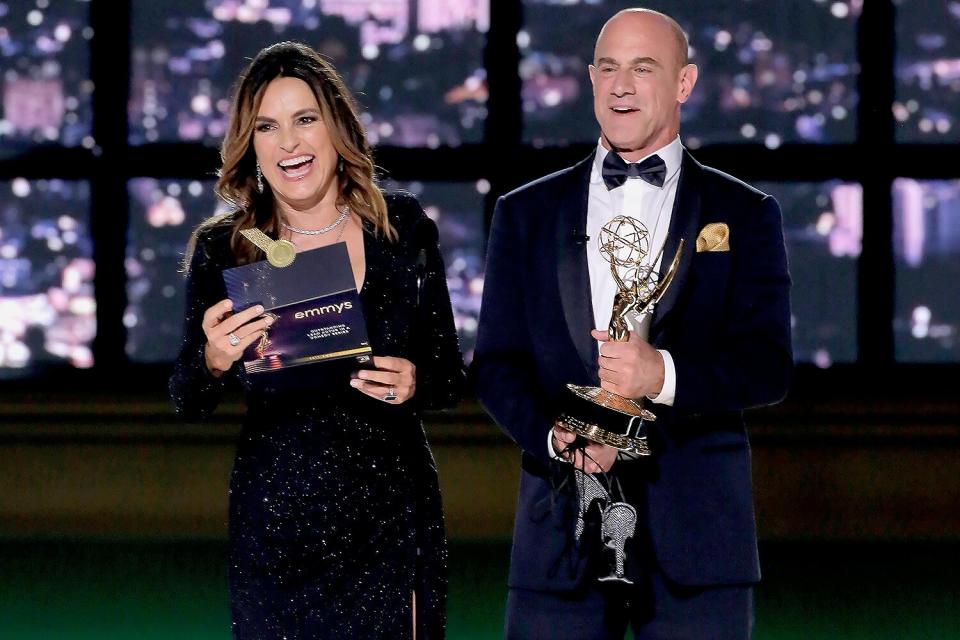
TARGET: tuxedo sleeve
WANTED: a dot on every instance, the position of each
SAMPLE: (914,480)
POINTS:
(750,361)
(504,368)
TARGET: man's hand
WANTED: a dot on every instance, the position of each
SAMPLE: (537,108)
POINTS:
(599,457)
(632,369)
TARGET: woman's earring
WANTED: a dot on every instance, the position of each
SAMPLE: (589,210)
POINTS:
(259,179)
(340,165)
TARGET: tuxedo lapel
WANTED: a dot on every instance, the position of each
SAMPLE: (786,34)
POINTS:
(572,273)
(683,225)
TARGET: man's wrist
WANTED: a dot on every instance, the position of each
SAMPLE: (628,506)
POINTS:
(657,387)
(668,386)
(553,450)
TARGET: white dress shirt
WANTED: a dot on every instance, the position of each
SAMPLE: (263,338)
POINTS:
(653,207)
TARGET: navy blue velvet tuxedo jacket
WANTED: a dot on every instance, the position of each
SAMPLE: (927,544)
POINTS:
(726,322)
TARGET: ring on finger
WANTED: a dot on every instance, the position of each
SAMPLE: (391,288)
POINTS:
(390,395)
(234,340)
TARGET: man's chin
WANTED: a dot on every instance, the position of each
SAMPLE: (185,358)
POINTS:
(621,141)
(623,147)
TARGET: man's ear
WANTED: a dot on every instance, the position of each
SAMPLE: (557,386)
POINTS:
(688,78)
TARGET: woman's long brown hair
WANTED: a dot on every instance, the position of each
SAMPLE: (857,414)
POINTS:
(237,184)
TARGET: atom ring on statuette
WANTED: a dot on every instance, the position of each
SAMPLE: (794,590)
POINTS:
(625,244)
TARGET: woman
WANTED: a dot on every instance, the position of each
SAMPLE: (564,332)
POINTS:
(336,528)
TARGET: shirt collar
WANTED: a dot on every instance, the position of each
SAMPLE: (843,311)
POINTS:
(671,154)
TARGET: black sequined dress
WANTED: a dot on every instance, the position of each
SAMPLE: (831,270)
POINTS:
(335,513)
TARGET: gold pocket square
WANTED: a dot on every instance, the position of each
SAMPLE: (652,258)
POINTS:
(714,237)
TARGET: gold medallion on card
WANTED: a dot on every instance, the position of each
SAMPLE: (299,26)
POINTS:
(280,253)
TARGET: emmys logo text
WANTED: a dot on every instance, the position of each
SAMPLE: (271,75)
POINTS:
(319,311)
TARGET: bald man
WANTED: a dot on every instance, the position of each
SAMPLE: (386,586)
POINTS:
(716,344)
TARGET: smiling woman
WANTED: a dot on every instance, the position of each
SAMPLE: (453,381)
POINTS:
(295,109)
(301,166)
(336,526)
(294,151)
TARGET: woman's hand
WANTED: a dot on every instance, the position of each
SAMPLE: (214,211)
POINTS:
(393,380)
(228,334)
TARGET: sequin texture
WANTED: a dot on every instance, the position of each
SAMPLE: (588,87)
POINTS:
(335,510)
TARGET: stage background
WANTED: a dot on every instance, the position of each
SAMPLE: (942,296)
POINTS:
(113,515)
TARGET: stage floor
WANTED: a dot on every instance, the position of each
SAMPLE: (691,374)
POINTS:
(84,589)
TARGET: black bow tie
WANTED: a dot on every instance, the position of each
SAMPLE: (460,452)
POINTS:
(616,171)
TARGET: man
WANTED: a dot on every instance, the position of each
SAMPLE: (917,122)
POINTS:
(717,343)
